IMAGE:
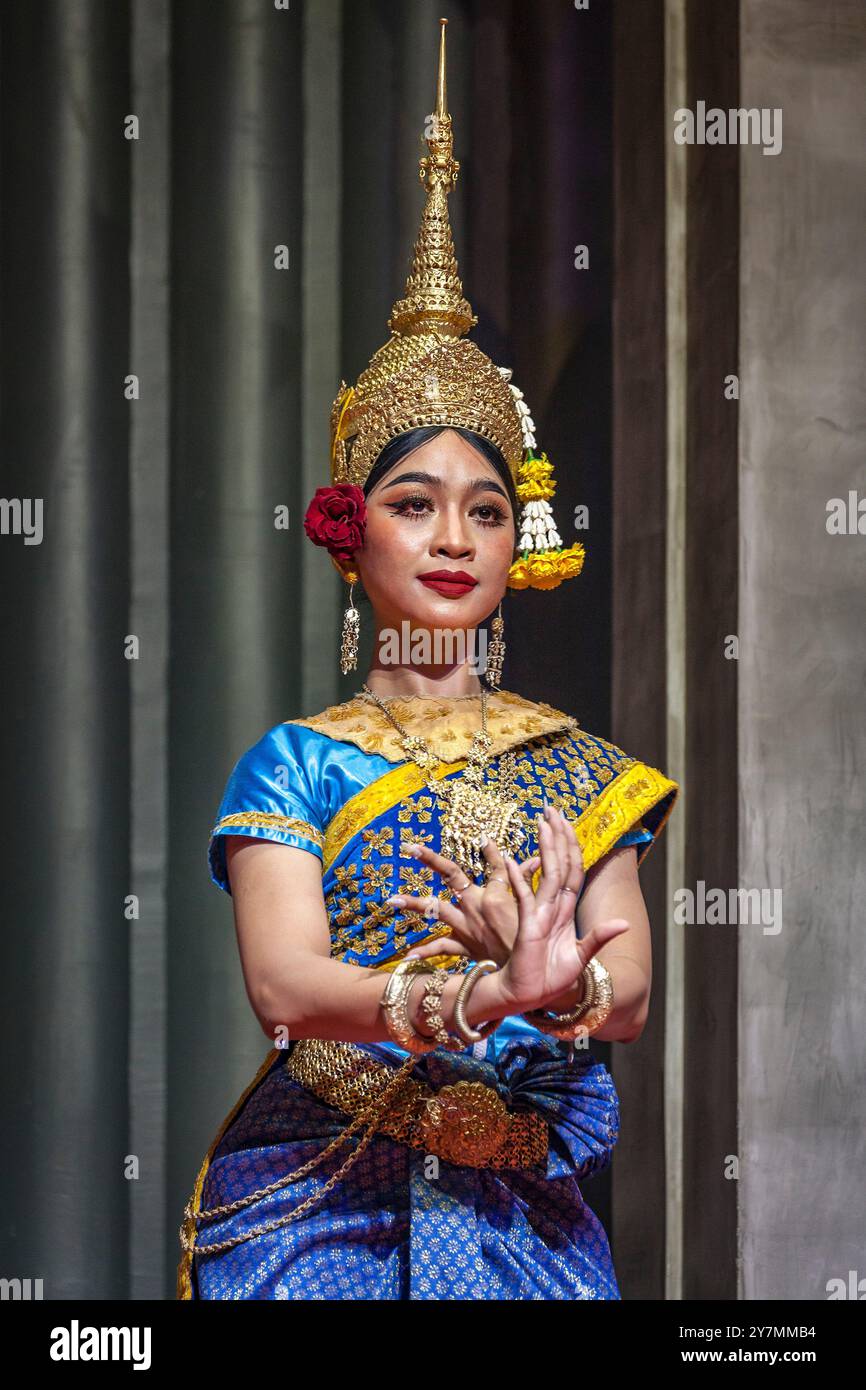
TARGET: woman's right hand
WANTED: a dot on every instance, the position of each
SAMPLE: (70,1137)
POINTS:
(548,957)
(483,922)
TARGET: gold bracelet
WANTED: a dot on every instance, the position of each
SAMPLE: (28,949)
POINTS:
(602,997)
(394,1001)
(470,979)
(431,1005)
(587,1016)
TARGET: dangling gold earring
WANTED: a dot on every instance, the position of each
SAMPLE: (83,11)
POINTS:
(496,650)
(351,629)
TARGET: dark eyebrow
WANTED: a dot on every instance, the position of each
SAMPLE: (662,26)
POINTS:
(487,485)
(477,484)
(414,477)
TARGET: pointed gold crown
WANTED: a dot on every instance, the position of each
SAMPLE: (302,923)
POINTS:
(429,373)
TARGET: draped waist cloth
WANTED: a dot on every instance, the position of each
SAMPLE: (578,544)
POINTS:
(402,1224)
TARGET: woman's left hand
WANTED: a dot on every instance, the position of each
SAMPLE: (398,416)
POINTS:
(484,923)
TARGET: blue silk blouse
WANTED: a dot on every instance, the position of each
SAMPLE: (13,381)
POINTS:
(288,787)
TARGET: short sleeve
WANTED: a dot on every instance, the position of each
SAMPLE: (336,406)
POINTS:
(269,796)
(638,835)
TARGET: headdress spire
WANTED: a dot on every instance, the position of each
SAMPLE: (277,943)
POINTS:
(433,299)
(430,373)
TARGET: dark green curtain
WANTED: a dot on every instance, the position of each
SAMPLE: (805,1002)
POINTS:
(64,735)
(237,354)
(166,385)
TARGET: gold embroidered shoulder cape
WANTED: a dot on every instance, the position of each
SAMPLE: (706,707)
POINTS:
(339,785)
(604,791)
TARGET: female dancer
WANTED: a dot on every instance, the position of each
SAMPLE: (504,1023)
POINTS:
(434,883)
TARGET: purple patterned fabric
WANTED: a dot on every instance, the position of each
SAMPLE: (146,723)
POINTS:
(403,1224)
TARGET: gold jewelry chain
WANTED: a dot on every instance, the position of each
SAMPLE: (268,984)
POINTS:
(188,1242)
(413,742)
(473,809)
(372,1112)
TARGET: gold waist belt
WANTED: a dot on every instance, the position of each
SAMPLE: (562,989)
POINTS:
(467,1123)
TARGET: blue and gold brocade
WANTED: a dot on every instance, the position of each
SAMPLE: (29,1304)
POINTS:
(339,787)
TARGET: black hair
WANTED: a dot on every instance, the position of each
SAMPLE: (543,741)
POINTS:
(397,449)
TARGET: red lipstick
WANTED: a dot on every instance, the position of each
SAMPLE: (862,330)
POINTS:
(449,583)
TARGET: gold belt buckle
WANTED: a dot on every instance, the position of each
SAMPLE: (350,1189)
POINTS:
(464,1123)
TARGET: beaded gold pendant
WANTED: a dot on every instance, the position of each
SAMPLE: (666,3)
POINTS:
(474,809)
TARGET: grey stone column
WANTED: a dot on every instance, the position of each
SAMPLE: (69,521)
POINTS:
(802,667)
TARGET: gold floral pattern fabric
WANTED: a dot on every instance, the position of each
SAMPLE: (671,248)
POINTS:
(339,785)
(603,792)
(447,724)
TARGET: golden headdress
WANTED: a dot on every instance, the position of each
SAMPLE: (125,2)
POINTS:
(429,373)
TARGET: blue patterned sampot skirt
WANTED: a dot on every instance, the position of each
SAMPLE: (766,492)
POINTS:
(403,1224)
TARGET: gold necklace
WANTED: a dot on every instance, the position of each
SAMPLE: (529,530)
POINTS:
(472,809)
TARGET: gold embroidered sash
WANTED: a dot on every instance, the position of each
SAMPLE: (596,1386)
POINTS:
(616,808)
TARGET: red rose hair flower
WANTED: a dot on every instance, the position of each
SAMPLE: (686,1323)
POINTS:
(337,519)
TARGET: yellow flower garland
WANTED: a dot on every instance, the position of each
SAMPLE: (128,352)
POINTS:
(544,569)
(536,480)
(547,569)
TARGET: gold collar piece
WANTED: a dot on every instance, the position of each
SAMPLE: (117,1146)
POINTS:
(446,723)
